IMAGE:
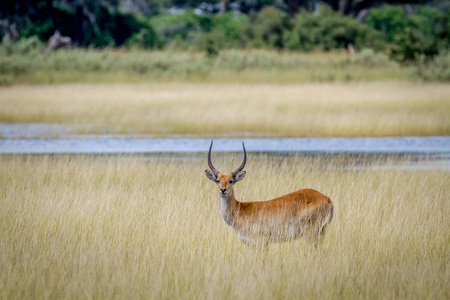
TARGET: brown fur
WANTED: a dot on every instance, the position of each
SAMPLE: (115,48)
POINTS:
(305,213)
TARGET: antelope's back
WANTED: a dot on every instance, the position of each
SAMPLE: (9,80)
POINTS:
(289,205)
(305,198)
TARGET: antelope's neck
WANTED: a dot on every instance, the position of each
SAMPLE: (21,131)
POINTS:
(228,209)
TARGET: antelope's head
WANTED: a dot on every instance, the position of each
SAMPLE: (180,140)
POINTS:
(225,182)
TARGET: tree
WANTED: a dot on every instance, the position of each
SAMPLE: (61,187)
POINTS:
(346,7)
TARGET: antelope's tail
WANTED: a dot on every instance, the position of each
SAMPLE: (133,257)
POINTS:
(330,216)
(326,220)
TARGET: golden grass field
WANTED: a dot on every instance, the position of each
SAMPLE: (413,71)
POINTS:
(115,227)
(289,110)
(110,65)
(85,227)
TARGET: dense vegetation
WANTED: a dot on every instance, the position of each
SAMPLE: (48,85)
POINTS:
(424,30)
(418,36)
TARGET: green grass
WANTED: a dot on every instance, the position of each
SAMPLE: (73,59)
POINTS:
(98,227)
(314,109)
(240,66)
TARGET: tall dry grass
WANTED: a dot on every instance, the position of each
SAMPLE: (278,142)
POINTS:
(327,109)
(101,227)
(238,66)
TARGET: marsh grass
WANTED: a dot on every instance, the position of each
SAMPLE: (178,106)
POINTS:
(96,227)
(236,66)
(314,109)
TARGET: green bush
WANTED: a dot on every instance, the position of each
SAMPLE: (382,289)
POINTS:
(391,20)
(266,29)
(443,30)
(330,30)
(225,33)
(145,38)
(434,69)
(191,31)
(115,29)
(422,43)
(411,45)
(227,30)
(179,30)
(417,36)
(428,20)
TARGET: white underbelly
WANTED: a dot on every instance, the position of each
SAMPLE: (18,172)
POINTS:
(271,233)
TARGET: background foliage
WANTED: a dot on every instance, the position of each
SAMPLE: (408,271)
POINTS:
(411,33)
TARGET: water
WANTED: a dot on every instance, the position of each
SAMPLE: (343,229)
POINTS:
(436,146)
(49,139)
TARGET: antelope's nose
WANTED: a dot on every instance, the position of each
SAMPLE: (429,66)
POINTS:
(223,191)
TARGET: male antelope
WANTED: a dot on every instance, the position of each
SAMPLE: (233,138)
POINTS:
(305,212)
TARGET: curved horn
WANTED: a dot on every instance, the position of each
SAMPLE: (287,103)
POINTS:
(234,173)
(210,163)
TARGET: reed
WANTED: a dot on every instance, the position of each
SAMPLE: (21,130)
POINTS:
(315,109)
(133,227)
(235,66)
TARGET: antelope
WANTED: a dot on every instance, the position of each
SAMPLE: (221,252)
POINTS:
(305,212)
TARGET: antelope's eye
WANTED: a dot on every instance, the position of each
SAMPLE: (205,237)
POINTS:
(231,181)
(217,181)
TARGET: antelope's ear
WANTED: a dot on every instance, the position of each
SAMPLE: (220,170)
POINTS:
(210,175)
(240,176)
